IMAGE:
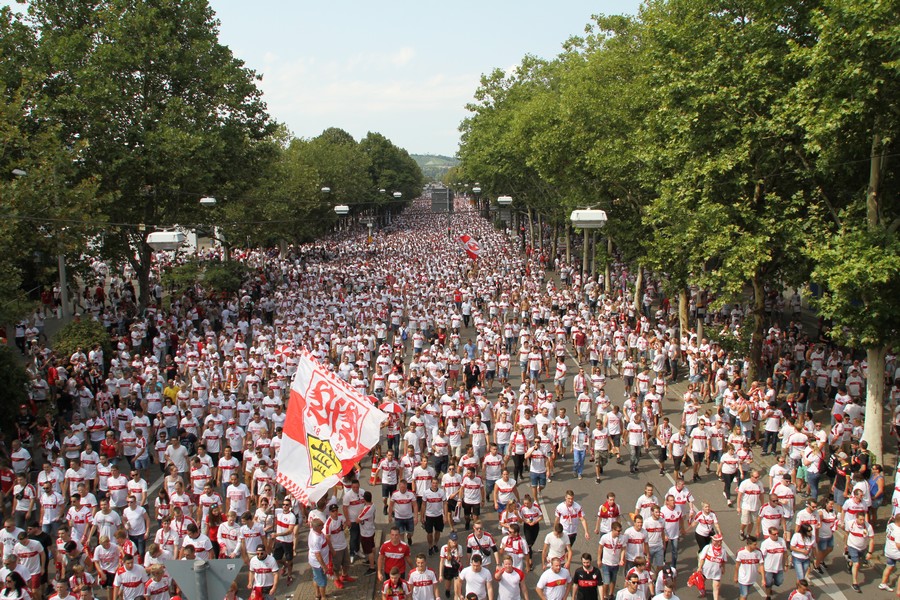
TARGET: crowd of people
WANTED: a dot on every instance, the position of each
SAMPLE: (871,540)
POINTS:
(168,448)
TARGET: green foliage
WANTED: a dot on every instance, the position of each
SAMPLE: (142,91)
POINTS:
(166,114)
(860,276)
(225,276)
(180,278)
(82,334)
(14,383)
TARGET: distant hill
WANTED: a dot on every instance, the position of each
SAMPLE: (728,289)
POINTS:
(434,166)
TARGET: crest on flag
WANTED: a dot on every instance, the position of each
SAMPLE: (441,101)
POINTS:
(473,250)
(329,428)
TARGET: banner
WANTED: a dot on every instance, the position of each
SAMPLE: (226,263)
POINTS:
(329,427)
(473,250)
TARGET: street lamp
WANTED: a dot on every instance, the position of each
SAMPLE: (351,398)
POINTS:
(587,219)
(207,201)
(504,200)
(342,210)
(61,265)
(398,195)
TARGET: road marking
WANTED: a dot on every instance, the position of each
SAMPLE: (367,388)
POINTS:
(828,585)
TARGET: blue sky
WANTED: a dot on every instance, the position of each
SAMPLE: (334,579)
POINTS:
(403,68)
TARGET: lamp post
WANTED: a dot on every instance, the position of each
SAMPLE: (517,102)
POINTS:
(587,219)
(61,263)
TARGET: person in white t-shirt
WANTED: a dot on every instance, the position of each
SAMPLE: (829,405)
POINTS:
(749,567)
(555,582)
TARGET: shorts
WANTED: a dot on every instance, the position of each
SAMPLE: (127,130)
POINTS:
(824,544)
(774,579)
(450,573)
(748,517)
(698,457)
(405,525)
(657,557)
(601,457)
(471,509)
(34,582)
(608,574)
(745,589)
(538,479)
(387,489)
(319,577)
(341,559)
(367,543)
(891,562)
(433,524)
(283,551)
(855,555)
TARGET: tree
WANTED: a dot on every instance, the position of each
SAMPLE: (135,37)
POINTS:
(167,114)
(721,76)
(45,211)
(391,169)
(850,108)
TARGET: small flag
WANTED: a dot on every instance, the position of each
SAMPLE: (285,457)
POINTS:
(473,250)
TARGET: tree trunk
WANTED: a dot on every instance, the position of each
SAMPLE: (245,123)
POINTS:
(593,252)
(607,287)
(552,261)
(757,312)
(683,310)
(873,434)
(531,229)
(638,290)
(872,198)
(568,244)
(540,227)
(142,270)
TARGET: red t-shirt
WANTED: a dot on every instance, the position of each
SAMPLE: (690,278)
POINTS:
(394,556)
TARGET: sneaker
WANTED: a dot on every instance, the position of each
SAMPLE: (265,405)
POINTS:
(598,480)
(370,571)
(339,584)
(818,569)
(730,503)
(885,587)
(849,567)
(430,552)
(856,588)
(385,510)
(348,579)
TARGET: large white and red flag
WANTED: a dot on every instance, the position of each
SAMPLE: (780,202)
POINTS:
(473,250)
(329,428)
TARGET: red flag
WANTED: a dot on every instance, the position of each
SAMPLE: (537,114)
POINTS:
(473,250)
(329,428)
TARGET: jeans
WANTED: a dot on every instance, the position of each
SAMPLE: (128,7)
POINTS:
(813,480)
(354,538)
(801,566)
(635,457)
(672,547)
(140,544)
(770,441)
(578,462)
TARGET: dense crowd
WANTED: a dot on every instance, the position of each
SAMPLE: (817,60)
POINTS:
(495,377)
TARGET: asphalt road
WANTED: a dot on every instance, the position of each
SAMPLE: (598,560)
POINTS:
(628,487)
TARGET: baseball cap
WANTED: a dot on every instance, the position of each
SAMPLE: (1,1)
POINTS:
(454,536)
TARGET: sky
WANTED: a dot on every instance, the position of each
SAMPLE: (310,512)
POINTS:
(402,68)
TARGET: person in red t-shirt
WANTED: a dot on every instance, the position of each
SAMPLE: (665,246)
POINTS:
(394,553)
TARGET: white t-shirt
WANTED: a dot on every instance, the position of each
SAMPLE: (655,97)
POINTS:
(476,581)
